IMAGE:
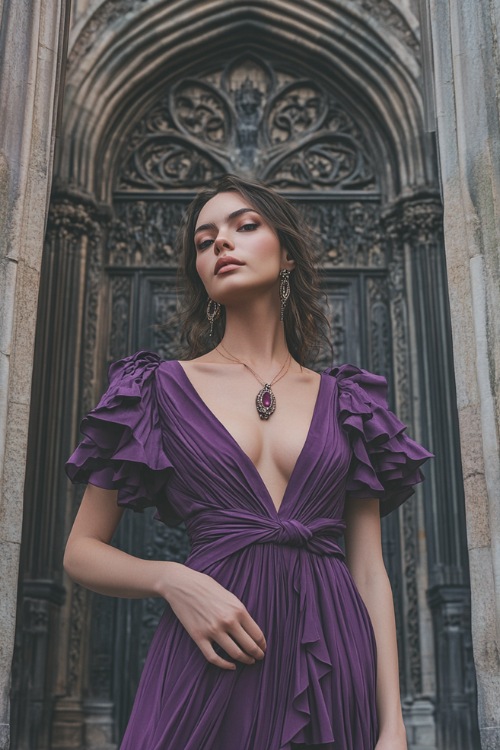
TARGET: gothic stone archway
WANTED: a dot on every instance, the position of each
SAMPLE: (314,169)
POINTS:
(300,129)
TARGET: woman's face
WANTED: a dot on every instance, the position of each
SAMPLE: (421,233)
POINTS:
(230,229)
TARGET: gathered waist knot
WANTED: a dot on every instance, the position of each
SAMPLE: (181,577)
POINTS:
(292,532)
(216,534)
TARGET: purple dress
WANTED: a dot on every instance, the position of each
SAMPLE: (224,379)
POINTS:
(152,437)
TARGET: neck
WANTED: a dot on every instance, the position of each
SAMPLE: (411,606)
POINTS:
(255,335)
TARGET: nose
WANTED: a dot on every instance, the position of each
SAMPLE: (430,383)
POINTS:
(221,244)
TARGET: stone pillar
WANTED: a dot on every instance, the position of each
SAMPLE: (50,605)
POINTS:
(444,508)
(32,47)
(50,682)
(466,74)
(414,650)
(417,223)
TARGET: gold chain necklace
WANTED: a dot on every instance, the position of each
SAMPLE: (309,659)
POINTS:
(265,400)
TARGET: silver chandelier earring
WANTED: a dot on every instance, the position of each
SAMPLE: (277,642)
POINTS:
(213,312)
(284,290)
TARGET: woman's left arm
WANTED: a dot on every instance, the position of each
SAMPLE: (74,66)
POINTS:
(365,562)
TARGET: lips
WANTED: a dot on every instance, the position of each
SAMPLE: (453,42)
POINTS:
(226,262)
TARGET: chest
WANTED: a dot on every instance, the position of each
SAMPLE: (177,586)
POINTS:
(273,445)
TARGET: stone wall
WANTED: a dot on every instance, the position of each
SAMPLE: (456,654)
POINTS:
(32,45)
(467,84)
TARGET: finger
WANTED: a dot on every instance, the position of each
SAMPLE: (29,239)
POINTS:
(208,651)
(233,648)
(247,643)
(255,633)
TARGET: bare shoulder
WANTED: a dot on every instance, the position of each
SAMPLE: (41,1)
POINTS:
(303,376)
(309,374)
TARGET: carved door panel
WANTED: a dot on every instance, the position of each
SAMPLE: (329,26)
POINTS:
(265,120)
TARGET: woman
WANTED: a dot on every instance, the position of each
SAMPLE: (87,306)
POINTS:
(272,638)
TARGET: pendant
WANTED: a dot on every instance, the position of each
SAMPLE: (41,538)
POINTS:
(266,402)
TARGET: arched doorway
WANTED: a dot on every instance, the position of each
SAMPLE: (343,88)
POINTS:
(349,151)
(268,119)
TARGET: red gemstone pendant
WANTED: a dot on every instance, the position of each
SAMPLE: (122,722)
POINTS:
(266,402)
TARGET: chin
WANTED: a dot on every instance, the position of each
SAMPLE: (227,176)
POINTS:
(235,293)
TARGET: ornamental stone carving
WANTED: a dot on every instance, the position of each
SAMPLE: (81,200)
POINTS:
(72,217)
(417,220)
(143,233)
(422,221)
(250,118)
(388,12)
(348,233)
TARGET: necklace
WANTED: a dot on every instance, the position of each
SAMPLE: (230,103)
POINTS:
(265,400)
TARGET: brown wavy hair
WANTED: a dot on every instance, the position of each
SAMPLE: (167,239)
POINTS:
(306,327)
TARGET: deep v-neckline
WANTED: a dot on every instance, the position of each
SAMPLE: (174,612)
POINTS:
(256,473)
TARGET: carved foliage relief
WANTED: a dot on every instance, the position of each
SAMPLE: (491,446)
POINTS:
(248,118)
(143,233)
(348,233)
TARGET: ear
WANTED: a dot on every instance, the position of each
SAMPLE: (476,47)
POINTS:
(286,260)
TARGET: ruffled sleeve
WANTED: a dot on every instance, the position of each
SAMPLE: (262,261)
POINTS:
(122,446)
(385,461)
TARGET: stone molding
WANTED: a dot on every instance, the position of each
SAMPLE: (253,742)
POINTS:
(386,14)
(363,56)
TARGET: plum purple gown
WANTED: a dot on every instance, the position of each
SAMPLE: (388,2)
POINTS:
(154,439)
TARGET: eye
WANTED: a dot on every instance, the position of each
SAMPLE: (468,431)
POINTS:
(248,227)
(204,244)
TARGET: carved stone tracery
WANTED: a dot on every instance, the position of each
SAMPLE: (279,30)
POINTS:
(249,118)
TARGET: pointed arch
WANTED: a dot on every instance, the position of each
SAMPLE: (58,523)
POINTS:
(119,65)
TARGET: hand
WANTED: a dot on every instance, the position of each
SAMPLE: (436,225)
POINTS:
(392,740)
(212,614)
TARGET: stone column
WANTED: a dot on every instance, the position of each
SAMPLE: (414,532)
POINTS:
(417,223)
(444,510)
(50,682)
(32,48)
(416,652)
(466,73)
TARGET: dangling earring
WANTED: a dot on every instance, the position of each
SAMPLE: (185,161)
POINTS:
(284,290)
(213,312)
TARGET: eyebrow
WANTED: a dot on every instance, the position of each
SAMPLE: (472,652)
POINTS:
(231,216)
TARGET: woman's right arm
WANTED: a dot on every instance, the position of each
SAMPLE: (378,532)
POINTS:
(209,612)
(91,561)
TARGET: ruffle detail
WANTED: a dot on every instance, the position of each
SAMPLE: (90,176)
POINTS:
(307,719)
(122,448)
(385,461)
